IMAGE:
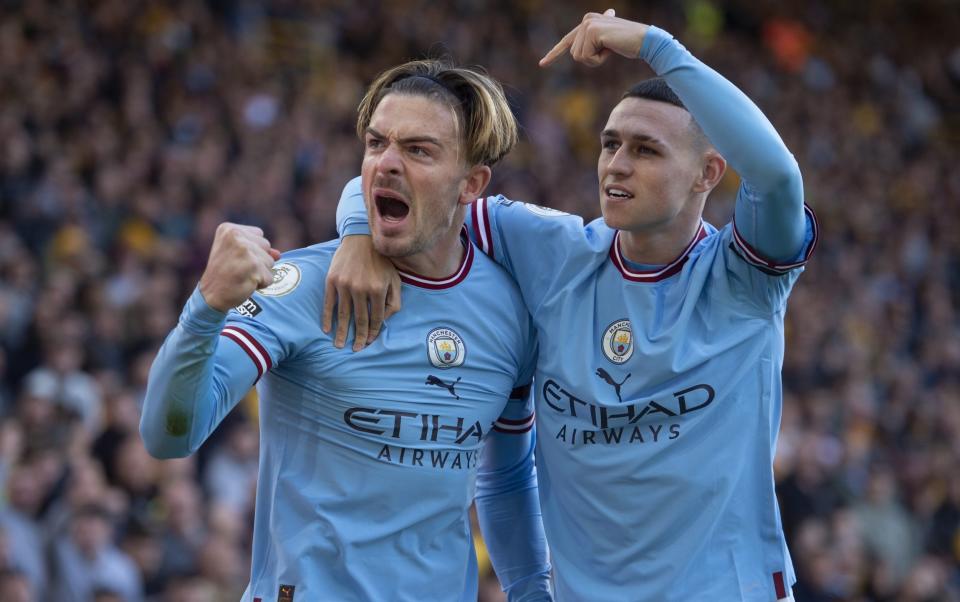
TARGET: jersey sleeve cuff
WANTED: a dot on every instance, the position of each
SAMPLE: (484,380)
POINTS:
(514,426)
(199,317)
(356,227)
(754,258)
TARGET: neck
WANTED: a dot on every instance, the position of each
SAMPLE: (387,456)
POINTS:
(440,260)
(657,246)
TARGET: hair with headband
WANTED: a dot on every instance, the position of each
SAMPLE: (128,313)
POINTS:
(486,125)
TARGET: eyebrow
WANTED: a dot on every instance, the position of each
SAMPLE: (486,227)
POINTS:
(408,139)
(632,137)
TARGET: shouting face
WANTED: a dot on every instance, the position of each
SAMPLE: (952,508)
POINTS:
(415,177)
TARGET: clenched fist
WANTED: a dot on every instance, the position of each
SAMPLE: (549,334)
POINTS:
(239,264)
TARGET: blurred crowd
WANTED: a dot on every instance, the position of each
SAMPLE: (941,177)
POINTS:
(130,128)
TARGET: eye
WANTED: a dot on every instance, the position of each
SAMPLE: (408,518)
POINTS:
(417,150)
(646,150)
(374,143)
(610,145)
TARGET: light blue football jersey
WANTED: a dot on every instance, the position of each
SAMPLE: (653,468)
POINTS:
(369,461)
(659,400)
(658,387)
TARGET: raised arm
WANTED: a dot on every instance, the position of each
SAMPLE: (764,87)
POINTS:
(194,380)
(769,211)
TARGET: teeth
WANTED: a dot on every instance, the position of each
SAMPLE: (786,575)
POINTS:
(617,193)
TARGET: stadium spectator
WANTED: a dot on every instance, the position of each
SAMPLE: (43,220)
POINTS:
(86,560)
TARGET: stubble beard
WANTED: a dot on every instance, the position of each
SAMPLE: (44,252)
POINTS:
(398,249)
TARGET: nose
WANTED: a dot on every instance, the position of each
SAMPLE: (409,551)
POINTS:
(620,163)
(389,162)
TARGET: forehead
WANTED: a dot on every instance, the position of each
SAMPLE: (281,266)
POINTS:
(643,117)
(402,115)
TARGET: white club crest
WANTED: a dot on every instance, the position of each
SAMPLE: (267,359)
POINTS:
(617,343)
(286,277)
(445,348)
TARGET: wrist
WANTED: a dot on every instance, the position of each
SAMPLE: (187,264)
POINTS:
(653,38)
(211,300)
(642,36)
(199,317)
(355,228)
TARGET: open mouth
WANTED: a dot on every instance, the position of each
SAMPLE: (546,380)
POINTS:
(616,192)
(390,206)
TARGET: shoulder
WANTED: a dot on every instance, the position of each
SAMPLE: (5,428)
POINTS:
(491,287)
(299,278)
(738,279)
(301,268)
(730,242)
(509,209)
(315,258)
(487,277)
(713,237)
(536,226)
(715,250)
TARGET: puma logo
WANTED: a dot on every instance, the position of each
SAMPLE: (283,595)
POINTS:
(616,385)
(433,380)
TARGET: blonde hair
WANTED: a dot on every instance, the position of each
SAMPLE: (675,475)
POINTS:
(488,127)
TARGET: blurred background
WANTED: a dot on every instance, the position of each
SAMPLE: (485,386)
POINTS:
(129,129)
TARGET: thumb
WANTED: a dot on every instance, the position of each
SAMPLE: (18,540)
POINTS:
(609,13)
(393,298)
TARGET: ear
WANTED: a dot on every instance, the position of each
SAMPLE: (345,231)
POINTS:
(711,172)
(474,183)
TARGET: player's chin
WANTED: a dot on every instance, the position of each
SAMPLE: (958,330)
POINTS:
(615,215)
(392,245)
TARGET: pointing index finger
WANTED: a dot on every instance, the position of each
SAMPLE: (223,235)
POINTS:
(562,46)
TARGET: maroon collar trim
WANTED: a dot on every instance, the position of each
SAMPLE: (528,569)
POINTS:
(442,283)
(616,255)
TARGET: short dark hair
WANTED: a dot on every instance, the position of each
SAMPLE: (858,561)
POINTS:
(657,88)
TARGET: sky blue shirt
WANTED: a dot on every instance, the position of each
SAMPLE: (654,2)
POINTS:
(369,461)
(658,387)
